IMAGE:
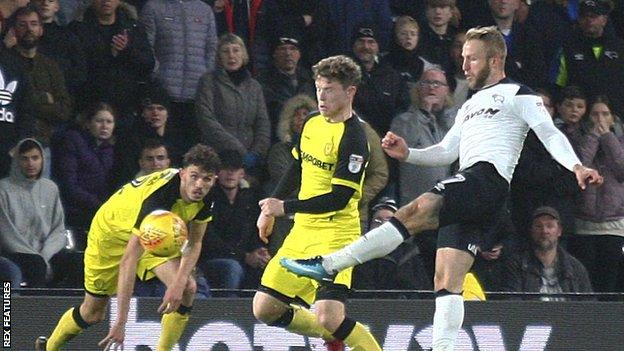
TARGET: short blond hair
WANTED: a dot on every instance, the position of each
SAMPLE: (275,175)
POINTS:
(405,21)
(229,38)
(492,38)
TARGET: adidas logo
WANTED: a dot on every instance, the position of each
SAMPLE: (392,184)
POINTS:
(6,90)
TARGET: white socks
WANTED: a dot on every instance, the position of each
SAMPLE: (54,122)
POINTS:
(447,319)
(374,244)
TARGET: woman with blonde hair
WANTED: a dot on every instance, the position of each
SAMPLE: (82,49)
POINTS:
(230,108)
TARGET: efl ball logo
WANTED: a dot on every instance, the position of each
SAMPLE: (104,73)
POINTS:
(162,233)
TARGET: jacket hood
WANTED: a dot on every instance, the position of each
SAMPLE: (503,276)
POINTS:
(16,173)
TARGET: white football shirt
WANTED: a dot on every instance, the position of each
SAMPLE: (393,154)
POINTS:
(492,125)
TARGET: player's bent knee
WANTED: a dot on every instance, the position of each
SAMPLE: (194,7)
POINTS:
(94,316)
(191,287)
(262,310)
(329,321)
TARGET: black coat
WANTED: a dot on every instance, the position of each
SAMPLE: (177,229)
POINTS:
(114,79)
(232,232)
(522,273)
(382,95)
(539,180)
(61,45)
(603,75)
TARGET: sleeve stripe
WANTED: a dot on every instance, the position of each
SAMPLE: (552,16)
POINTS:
(347,183)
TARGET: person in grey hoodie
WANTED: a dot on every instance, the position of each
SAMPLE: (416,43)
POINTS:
(32,229)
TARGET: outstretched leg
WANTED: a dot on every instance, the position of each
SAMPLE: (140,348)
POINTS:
(415,217)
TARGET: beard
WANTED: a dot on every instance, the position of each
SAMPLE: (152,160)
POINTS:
(28,41)
(482,77)
(544,244)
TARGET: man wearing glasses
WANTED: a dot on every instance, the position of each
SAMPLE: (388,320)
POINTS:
(424,124)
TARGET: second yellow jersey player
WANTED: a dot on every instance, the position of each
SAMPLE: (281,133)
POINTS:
(121,215)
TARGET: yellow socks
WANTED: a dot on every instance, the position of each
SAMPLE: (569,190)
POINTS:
(67,328)
(305,323)
(173,325)
(358,339)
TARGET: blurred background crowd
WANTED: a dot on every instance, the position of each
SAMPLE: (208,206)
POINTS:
(95,93)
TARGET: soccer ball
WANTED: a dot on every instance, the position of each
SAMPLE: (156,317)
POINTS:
(162,233)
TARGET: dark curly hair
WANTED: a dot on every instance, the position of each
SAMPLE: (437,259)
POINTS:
(203,157)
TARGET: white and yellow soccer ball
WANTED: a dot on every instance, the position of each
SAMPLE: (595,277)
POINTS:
(162,233)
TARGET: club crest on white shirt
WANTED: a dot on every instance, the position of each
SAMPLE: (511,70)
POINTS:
(498,98)
(355,163)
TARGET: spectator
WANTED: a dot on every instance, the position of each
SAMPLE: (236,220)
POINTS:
(555,21)
(383,92)
(404,54)
(152,122)
(425,123)
(82,160)
(400,270)
(600,217)
(241,18)
(230,106)
(291,121)
(571,118)
(439,32)
(474,13)
(119,57)
(16,121)
(49,100)
(377,173)
(31,217)
(232,254)
(183,36)
(11,272)
(461,92)
(285,78)
(545,267)
(593,58)
(541,181)
(525,62)
(62,46)
(549,101)
(309,18)
(154,157)
(346,15)
(7,8)
(70,9)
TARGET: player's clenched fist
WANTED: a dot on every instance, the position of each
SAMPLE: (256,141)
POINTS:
(395,146)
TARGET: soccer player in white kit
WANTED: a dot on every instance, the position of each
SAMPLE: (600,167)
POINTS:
(487,137)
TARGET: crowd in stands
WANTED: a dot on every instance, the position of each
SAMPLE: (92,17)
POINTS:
(94,94)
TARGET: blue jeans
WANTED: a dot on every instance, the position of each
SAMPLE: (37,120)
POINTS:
(10,271)
(225,273)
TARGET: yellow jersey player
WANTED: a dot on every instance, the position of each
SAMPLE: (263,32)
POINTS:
(114,255)
(329,165)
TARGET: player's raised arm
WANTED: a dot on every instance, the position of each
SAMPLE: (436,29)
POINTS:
(441,154)
(531,109)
